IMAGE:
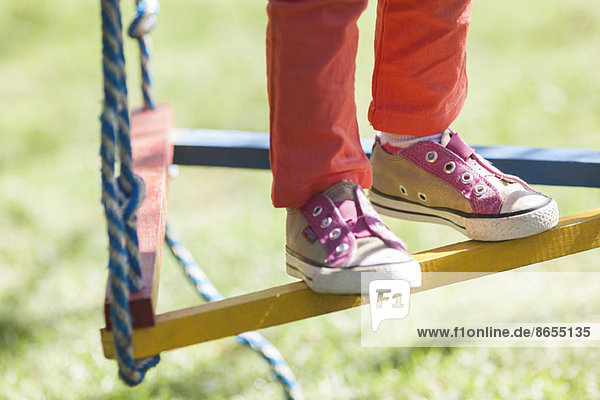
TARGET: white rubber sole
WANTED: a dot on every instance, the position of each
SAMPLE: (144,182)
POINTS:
(347,281)
(494,228)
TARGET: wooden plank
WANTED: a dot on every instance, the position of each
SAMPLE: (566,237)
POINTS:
(152,154)
(239,149)
(295,301)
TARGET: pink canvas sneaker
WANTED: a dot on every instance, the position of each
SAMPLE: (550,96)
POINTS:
(336,236)
(448,183)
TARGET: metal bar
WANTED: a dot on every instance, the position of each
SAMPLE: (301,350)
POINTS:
(239,149)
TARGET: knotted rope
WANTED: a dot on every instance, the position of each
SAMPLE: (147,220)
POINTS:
(253,340)
(121,196)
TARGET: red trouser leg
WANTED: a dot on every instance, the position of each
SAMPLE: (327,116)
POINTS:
(419,81)
(419,84)
(311,51)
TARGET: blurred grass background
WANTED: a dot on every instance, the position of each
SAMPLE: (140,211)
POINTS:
(534,80)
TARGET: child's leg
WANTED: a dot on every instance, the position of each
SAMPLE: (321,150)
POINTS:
(419,80)
(421,170)
(311,50)
(332,233)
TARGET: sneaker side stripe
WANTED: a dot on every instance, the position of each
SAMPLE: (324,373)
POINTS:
(380,206)
(451,211)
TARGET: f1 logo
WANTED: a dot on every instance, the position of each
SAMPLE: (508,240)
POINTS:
(388,299)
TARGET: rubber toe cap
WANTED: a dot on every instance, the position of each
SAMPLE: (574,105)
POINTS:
(523,200)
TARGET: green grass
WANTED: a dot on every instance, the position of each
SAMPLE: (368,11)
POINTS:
(533,81)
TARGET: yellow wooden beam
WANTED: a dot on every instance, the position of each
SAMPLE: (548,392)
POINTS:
(294,301)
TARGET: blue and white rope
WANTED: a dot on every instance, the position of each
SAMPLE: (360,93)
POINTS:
(121,196)
(143,23)
(253,340)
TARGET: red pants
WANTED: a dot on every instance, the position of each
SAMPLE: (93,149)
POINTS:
(419,84)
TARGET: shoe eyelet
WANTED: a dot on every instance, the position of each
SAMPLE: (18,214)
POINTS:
(466,177)
(326,222)
(479,190)
(317,211)
(449,167)
(342,248)
(334,234)
(403,190)
(431,156)
(422,197)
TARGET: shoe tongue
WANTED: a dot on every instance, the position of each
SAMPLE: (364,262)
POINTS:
(446,136)
(454,143)
(344,198)
(341,191)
